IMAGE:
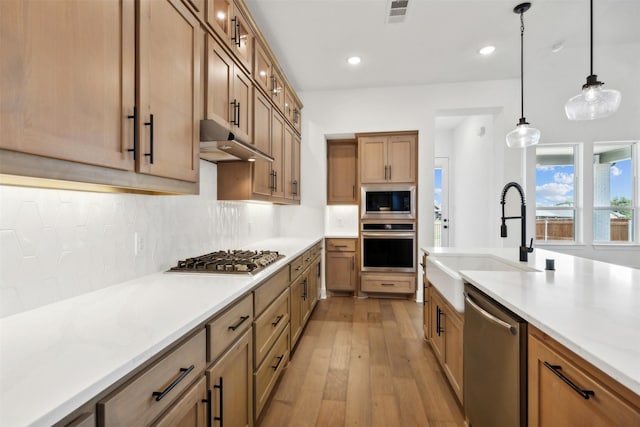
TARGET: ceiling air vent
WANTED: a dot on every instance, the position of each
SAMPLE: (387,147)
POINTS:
(397,11)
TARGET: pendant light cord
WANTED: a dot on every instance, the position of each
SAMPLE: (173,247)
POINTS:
(591,35)
(521,64)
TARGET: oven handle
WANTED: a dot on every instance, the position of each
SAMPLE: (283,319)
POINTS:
(389,234)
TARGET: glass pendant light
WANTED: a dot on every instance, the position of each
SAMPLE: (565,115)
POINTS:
(593,102)
(523,135)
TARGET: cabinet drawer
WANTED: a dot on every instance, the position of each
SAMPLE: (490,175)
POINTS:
(226,328)
(268,373)
(341,245)
(553,402)
(269,325)
(190,410)
(135,402)
(388,284)
(270,289)
(296,267)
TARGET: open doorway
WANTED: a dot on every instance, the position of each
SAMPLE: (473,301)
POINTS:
(441,224)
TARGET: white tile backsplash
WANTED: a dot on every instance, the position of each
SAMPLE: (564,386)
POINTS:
(56,244)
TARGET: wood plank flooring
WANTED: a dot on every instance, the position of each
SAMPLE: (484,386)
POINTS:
(363,362)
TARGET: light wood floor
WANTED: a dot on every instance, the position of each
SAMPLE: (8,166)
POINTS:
(363,362)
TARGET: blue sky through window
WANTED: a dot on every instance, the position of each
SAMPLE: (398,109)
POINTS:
(621,179)
(437,188)
(554,185)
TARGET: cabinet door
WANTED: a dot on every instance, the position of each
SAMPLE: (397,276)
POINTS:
(218,16)
(342,172)
(401,159)
(219,83)
(262,67)
(54,102)
(277,151)
(291,165)
(437,325)
(243,97)
(341,270)
(288,105)
(231,385)
(295,167)
(242,39)
(373,167)
(297,300)
(453,351)
(277,90)
(297,118)
(426,312)
(189,411)
(169,87)
(261,122)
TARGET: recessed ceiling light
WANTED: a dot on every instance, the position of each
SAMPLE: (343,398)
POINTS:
(354,60)
(487,50)
(557,47)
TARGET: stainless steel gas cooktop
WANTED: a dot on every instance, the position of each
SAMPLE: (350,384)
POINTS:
(231,261)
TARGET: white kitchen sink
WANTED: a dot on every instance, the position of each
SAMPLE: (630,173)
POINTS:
(443,272)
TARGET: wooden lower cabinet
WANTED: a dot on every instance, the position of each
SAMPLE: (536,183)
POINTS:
(298,291)
(269,371)
(189,411)
(446,338)
(230,383)
(388,283)
(553,402)
(132,404)
(342,265)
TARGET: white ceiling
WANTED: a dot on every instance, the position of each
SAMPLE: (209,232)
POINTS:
(437,43)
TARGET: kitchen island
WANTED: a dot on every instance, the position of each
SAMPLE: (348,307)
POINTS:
(56,358)
(590,307)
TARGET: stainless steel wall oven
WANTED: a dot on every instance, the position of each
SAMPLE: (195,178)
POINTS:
(389,247)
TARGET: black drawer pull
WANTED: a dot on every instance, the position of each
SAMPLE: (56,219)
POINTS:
(556,370)
(237,325)
(160,394)
(387,284)
(275,367)
(278,319)
(150,124)
(135,133)
(219,387)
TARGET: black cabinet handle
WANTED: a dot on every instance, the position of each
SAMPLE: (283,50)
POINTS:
(134,116)
(184,372)
(295,187)
(219,387)
(235,37)
(438,321)
(275,180)
(275,367)
(238,114)
(386,284)
(237,325)
(305,289)
(556,370)
(150,124)
(278,319)
(389,172)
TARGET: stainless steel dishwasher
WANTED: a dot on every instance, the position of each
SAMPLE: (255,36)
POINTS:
(495,358)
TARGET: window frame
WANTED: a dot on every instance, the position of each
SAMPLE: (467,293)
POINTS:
(577,195)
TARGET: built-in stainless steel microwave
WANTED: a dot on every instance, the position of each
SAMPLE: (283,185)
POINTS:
(388,202)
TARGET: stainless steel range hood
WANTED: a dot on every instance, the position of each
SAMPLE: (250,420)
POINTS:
(218,144)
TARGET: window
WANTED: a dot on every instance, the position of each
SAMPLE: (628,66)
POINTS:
(555,192)
(613,192)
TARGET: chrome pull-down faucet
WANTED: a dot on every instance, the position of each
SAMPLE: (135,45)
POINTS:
(524,250)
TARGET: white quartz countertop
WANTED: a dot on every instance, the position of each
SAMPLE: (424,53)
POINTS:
(591,307)
(55,358)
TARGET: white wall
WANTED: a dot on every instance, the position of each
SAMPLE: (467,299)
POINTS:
(57,244)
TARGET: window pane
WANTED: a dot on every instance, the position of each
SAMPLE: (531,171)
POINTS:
(613,189)
(437,207)
(555,193)
(555,224)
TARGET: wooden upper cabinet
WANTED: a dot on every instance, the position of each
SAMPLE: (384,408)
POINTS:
(277,90)
(388,158)
(342,172)
(402,158)
(288,105)
(373,159)
(229,92)
(169,88)
(196,6)
(226,19)
(291,164)
(261,122)
(54,101)
(297,117)
(277,151)
(262,68)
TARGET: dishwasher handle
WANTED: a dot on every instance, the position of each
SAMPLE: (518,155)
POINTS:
(489,316)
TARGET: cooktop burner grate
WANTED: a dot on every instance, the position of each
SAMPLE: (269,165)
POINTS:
(231,261)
